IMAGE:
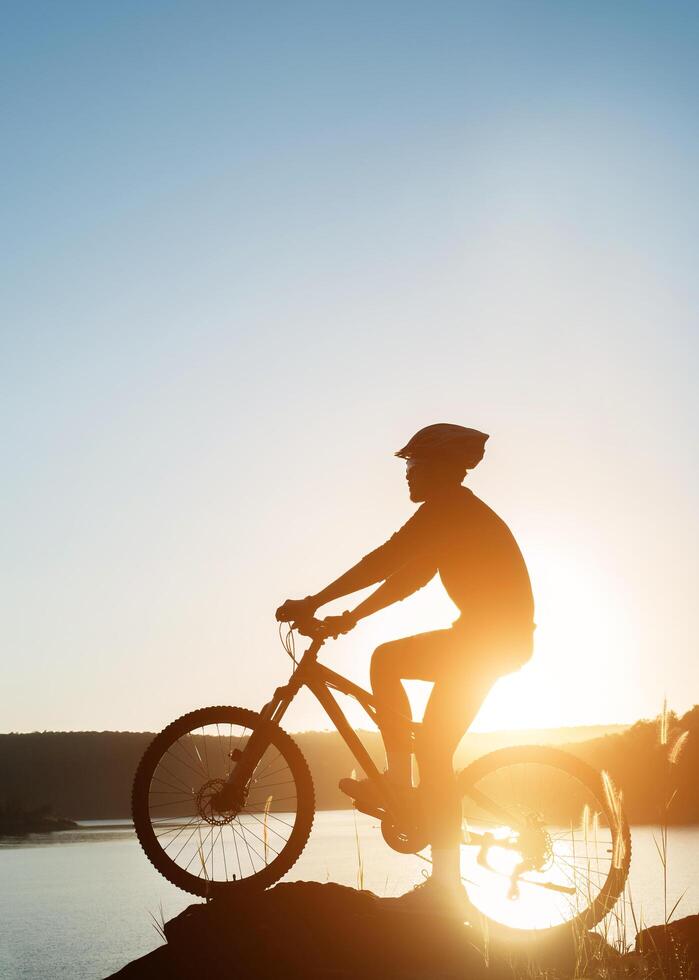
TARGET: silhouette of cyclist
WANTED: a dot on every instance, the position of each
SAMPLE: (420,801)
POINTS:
(455,534)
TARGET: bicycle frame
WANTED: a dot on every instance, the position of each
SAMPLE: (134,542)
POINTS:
(320,680)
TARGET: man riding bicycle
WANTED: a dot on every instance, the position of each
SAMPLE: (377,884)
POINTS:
(455,534)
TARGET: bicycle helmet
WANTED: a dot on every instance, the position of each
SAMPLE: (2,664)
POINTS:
(446,441)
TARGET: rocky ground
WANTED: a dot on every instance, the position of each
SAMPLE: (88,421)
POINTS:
(323,931)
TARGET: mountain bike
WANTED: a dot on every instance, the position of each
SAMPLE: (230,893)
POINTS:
(223,802)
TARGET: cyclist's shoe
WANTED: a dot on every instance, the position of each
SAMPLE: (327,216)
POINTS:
(431,896)
(368,796)
(365,793)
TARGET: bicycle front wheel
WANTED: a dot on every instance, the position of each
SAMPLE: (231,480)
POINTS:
(547,844)
(196,847)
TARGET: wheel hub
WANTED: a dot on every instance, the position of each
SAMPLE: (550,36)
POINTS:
(536,844)
(207,804)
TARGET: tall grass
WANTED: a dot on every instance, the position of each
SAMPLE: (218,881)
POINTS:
(265,827)
(615,958)
(158,922)
(672,751)
(360,860)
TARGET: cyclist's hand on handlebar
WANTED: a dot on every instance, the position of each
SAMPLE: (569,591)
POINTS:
(335,625)
(329,628)
(310,627)
(296,609)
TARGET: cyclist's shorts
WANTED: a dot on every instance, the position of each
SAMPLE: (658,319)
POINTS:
(459,650)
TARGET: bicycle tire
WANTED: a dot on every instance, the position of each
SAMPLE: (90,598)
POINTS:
(593,781)
(156,854)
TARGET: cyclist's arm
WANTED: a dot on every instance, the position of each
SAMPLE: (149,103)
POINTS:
(374,567)
(400,585)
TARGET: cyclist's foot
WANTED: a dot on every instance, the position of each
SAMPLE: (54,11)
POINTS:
(433,896)
(366,793)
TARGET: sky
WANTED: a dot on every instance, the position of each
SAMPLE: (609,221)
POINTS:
(249,249)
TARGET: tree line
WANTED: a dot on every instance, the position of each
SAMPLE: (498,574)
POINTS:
(88,775)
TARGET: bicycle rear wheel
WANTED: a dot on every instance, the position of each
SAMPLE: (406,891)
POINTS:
(212,853)
(547,844)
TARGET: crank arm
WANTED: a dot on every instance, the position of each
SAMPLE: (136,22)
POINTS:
(487,841)
(372,811)
(549,885)
(552,886)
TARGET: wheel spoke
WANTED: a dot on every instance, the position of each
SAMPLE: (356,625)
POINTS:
(269,828)
(281,799)
(183,785)
(263,771)
(260,839)
(181,826)
(248,845)
(286,782)
(198,772)
(198,827)
(271,816)
(235,844)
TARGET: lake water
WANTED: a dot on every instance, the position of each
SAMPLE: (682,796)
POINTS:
(78,905)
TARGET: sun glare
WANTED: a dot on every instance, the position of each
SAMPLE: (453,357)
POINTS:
(584,633)
(541,899)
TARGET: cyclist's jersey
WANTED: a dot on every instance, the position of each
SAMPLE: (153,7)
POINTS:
(479,563)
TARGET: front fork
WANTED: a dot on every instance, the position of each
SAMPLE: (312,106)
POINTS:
(246,760)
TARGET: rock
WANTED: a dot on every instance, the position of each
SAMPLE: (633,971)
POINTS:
(315,931)
(154,964)
(329,932)
(673,948)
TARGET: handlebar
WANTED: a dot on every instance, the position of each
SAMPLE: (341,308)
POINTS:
(314,628)
(318,629)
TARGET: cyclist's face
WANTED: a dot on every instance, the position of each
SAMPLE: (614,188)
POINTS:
(423,479)
(428,478)
(414,475)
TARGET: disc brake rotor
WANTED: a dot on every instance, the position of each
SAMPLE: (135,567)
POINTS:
(205,806)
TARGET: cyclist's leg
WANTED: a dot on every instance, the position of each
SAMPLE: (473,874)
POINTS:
(394,712)
(410,658)
(459,691)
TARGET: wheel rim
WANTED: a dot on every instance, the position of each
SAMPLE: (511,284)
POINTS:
(193,837)
(557,859)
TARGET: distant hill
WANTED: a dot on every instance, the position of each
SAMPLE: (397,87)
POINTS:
(639,765)
(88,775)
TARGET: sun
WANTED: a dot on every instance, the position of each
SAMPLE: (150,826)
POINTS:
(583,642)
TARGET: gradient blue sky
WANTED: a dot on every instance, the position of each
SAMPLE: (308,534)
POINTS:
(249,248)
